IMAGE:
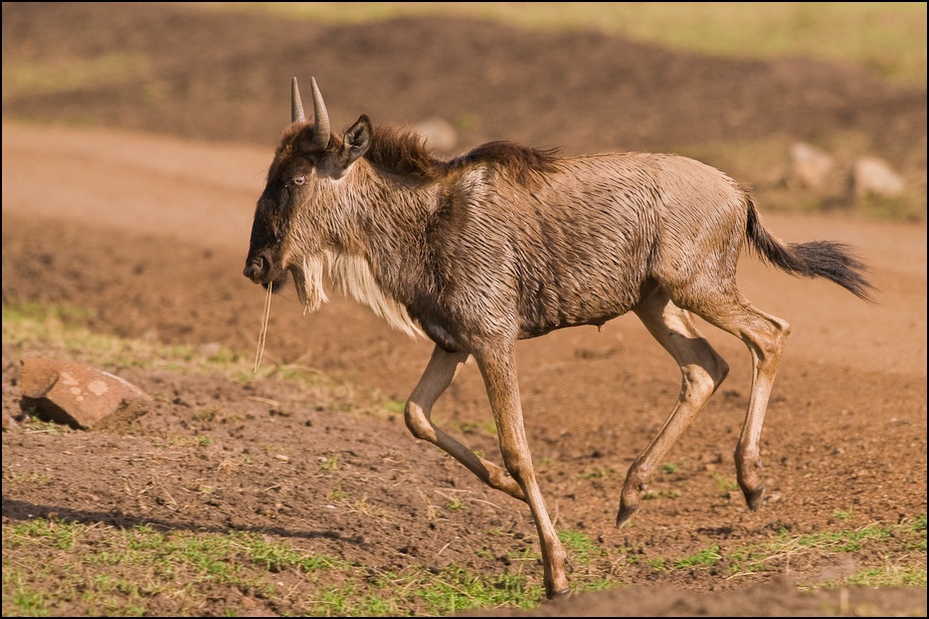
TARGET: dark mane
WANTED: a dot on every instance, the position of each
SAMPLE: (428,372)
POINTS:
(404,153)
(523,163)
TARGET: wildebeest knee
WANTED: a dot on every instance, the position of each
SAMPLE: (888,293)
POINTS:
(518,464)
(772,346)
(701,381)
(417,422)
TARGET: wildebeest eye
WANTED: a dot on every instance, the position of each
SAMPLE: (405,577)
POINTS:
(299,180)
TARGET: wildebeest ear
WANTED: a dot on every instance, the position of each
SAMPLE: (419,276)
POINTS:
(355,142)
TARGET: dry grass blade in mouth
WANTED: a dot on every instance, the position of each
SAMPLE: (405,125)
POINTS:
(264,330)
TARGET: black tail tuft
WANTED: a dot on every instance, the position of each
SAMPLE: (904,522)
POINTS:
(834,261)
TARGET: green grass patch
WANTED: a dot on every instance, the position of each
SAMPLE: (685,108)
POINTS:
(455,504)
(901,562)
(842,514)
(487,427)
(62,331)
(330,464)
(601,472)
(659,564)
(725,485)
(887,576)
(580,547)
(395,406)
(650,495)
(843,540)
(706,557)
(32,425)
(113,571)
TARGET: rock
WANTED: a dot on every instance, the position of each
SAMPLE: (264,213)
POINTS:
(873,176)
(210,349)
(440,135)
(76,394)
(811,165)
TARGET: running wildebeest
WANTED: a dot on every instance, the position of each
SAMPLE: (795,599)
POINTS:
(508,242)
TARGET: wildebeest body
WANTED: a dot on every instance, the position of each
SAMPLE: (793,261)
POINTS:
(509,242)
(547,252)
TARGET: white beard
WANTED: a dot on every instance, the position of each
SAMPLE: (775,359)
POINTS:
(308,279)
(353,277)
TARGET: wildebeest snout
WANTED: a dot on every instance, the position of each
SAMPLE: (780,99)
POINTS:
(258,268)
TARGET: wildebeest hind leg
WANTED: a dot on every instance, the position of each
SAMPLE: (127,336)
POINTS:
(702,372)
(765,335)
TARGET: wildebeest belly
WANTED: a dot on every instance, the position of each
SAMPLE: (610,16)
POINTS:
(565,297)
(577,277)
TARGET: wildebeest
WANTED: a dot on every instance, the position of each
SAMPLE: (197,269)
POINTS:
(508,242)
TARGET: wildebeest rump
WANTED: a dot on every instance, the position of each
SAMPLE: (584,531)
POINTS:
(509,242)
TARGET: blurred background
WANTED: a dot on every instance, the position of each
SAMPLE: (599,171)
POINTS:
(820,106)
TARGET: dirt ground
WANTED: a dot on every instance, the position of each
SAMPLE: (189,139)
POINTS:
(133,199)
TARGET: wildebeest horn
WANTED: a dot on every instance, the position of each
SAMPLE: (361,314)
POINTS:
(321,135)
(296,105)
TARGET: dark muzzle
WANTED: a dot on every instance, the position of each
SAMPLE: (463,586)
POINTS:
(259,268)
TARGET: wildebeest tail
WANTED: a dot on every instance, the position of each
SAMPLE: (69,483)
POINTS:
(827,259)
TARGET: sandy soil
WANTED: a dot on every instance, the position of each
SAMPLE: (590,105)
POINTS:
(142,214)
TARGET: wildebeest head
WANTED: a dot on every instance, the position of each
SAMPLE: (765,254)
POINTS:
(299,214)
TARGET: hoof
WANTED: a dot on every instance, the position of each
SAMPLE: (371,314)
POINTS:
(753,497)
(625,513)
(558,595)
(747,471)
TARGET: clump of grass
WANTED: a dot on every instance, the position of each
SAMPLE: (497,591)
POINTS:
(600,473)
(670,467)
(330,464)
(650,495)
(32,425)
(725,485)
(707,556)
(456,504)
(579,546)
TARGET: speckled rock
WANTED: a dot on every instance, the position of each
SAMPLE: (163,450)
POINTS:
(75,394)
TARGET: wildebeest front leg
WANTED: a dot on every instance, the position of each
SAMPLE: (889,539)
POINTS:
(702,371)
(498,366)
(439,374)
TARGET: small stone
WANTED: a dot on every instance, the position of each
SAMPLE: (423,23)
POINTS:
(811,165)
(77,395)
(873,176)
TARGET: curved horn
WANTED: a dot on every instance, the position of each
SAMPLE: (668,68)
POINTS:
(321,135)
(296,105)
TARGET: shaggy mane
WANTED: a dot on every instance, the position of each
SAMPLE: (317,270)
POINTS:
(404,153)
